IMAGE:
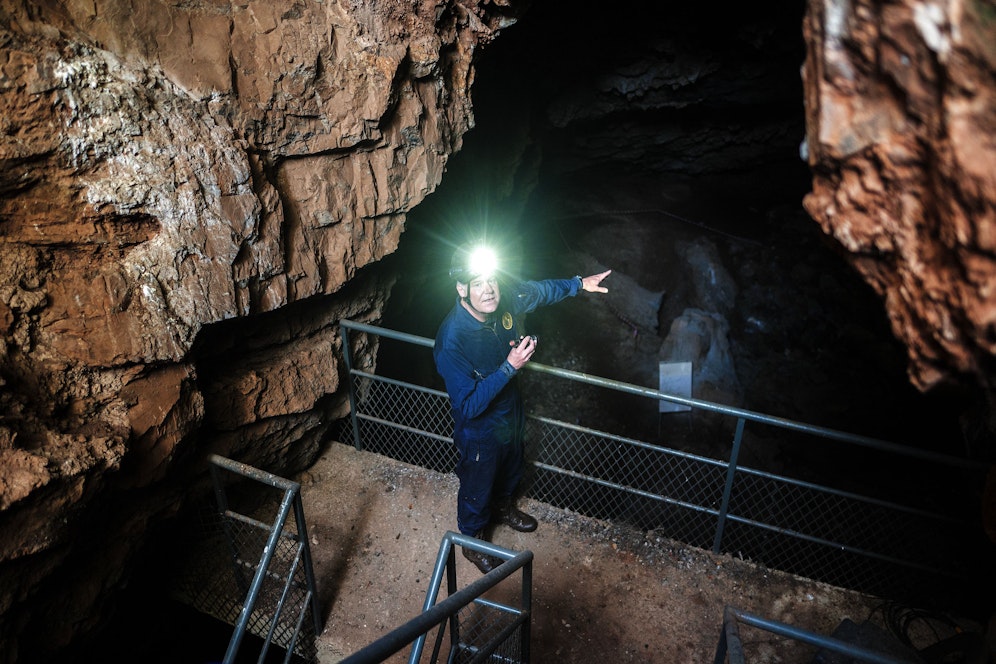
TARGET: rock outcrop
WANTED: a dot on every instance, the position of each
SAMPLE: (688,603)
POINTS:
(188,193)
(901,137)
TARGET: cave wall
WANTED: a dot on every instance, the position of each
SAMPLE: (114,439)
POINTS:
(188,195)
(901,138)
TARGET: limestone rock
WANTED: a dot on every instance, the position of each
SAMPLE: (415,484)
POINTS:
(702,338)
(169,168)
(901,135)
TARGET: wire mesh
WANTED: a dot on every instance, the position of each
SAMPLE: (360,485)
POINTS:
(406,423)
(825,533)
(488,634)
(225,552)
(609,477)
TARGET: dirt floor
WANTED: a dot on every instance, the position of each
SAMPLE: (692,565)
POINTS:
(600,593)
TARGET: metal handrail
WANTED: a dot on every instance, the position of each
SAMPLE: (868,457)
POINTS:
(740,413)
(724,500)
(434,614)
(290,503)
(731,645)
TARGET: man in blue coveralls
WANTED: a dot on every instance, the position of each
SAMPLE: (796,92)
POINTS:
(478,351)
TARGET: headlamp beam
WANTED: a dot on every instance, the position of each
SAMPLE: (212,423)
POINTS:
(482,262)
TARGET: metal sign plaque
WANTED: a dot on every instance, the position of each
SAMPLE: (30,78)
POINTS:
(676,379)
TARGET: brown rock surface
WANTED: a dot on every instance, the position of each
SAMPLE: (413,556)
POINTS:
(165,167)
(901,115)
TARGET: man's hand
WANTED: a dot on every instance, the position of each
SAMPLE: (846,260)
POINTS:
(591,284)
(520,354)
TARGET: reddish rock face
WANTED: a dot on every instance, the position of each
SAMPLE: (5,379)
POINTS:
(901,114)
(165,167)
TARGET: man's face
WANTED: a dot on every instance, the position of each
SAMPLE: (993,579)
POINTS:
(481,296)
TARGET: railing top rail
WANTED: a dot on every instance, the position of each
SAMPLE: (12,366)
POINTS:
(384,332)
(400,637)
(629,388)
(245,470)
(733,615)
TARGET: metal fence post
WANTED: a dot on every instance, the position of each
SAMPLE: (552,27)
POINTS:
(728,489)
(309,571)
(348,359)
(527,602)
(729,640)
(257,582)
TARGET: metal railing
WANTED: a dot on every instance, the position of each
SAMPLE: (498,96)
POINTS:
(252,574)
(479,629)
(927,549)
(731,646)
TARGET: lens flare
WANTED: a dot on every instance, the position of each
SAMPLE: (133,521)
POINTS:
(483,262)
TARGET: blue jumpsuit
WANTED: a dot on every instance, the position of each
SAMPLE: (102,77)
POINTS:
(484,395)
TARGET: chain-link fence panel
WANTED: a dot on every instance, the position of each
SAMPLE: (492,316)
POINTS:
(229,545)
(846,540)
(404,422)
(924,551)
(610,477)
(488,634)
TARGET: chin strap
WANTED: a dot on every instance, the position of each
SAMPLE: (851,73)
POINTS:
(470,307)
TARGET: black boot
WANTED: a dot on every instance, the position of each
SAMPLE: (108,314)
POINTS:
(481,560)
(513,517)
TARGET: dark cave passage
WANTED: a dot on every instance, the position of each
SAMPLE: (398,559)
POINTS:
(665,145)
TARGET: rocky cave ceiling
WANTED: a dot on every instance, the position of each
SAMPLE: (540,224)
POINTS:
(192,194)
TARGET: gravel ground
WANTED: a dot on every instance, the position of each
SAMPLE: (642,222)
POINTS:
(600,593)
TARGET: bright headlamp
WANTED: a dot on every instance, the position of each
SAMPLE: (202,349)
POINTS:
(476,262)
(482,262)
